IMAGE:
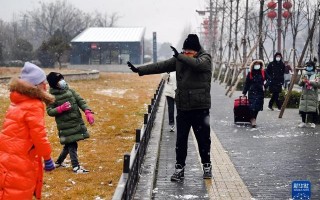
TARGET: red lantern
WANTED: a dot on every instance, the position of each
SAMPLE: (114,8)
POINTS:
(286,14)
(272,5)
(272,14)
(287,5)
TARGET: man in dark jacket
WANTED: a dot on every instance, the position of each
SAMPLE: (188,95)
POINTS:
(193,100)
(275,79)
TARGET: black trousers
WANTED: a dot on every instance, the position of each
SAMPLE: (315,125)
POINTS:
(275,98)
(170,102)
(199,120)
(304,116)
(72,150)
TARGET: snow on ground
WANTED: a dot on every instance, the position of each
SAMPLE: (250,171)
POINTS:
(184,196)
(112,92)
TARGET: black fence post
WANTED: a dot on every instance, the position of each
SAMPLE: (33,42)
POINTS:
(149,108)
(145,120)
(138,136)
(126,163)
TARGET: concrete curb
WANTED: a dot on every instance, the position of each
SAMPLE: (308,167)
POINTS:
(149,165)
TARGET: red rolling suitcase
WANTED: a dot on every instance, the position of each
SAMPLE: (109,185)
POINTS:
(241,110)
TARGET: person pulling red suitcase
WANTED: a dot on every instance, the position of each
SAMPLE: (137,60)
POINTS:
(254,86)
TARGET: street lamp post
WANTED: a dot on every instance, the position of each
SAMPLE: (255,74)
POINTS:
(279,24)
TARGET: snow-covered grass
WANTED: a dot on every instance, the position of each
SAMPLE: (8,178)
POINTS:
(118,101)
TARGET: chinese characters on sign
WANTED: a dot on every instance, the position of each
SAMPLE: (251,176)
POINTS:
(301,190)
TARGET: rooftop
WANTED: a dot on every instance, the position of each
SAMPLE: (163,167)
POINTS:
(110,34)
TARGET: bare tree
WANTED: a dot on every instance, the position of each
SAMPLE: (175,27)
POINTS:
(272,35)
(297,24)
(45,17)
(260,29)
(104,20)
(65,17)
(310,8)
(284,35)
(7,38)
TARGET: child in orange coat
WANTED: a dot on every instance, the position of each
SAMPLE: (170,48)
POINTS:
(23,138)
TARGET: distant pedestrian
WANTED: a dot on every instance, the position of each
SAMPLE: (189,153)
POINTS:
(71,128)
(254,85)
(287,75)
(309,104)
(23,138)
(169,92)
(275,80)
(193,100)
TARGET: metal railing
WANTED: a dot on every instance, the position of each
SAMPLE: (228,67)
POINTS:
(132,161)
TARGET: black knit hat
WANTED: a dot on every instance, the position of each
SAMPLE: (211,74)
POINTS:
(192,42)
(53,78)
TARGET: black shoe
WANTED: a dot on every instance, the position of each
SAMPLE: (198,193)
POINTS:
(178,174)
(207,171)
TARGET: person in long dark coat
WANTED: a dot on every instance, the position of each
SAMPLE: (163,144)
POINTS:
(254,86)
(275,79)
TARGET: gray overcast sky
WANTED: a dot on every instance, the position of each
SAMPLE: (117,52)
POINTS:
(166,17)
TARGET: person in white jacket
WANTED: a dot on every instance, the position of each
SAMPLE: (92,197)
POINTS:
(169,92)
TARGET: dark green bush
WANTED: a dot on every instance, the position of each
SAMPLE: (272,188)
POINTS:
(240,85)
(294,99)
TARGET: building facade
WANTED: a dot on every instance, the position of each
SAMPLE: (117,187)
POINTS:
(108,45)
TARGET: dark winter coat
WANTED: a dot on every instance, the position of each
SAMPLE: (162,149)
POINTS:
(254,85)
(70,124)
(309,97)
(193,75)
(275,74)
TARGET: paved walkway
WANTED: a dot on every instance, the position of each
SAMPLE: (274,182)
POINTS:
(270,157)
(247,163)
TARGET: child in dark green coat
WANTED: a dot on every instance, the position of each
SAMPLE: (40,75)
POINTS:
(66,110)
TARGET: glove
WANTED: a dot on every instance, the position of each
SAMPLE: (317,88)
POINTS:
(49,165)
(174,51)
(64,107)
(133,68)
(89,116)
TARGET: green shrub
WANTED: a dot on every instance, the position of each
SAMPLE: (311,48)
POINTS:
(240,85)
(294,99)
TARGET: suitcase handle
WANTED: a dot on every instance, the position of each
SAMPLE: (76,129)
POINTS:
(243,97)
(243,100)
